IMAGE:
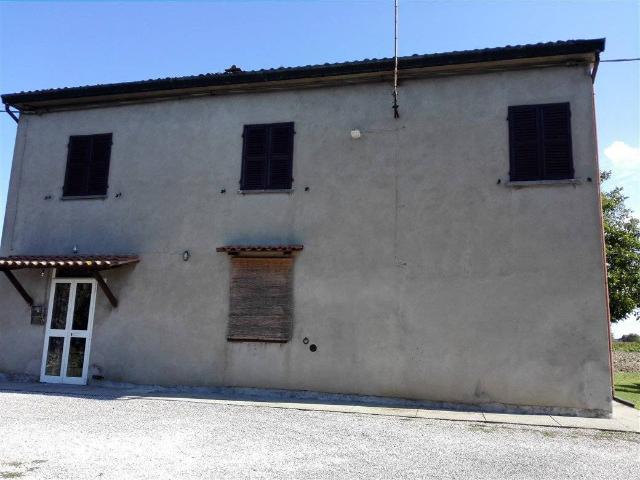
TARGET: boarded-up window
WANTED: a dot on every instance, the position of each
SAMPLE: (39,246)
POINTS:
(267,157)
(260,307)
(87,172)
(540,142)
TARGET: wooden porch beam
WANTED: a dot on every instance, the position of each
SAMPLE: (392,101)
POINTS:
(14,281)
(105,288)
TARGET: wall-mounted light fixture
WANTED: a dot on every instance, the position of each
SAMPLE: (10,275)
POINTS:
(356,134)
(186,255)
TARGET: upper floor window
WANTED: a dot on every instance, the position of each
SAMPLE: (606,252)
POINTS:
(87,171)
(540,142)
(267,157)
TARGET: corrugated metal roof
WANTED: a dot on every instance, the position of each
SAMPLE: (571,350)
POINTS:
(509,52)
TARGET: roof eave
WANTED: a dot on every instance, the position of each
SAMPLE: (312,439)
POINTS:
(583,52)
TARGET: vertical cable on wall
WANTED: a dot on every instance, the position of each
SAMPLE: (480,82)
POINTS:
(396,114)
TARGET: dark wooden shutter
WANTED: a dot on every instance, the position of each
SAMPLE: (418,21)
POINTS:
(540,142)
(260,306)
(556,141)
(280,156)
(77,174)
(523,132)
(87,169)
(267,158)
(99,165)
(254,161)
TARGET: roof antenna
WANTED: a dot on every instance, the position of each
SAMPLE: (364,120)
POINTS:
(396,114)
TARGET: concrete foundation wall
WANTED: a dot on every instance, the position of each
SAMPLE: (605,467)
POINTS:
(421,275)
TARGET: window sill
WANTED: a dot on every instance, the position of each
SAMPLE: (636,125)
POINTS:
(543,183)
(252,192)
(83,197)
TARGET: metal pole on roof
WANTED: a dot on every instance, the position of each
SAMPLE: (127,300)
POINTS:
(396,114)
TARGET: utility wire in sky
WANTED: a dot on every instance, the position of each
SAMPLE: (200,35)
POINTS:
(621,60)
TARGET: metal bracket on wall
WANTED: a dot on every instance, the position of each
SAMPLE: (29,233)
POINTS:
(594,70)
(18,286)
(105,288)
(11,114)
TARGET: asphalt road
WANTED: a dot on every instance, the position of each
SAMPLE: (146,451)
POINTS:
(60,437)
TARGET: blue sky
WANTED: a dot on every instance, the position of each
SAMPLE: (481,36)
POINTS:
(44,45)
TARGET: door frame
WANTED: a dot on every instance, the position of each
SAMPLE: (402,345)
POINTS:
(68,332)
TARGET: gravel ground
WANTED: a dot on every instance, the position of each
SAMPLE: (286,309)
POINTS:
(626,361)
(59,437)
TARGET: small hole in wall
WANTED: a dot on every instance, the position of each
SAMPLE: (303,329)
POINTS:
(305,340)
(313,347)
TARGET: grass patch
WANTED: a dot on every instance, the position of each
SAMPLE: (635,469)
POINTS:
(11,474)
(627,385)
(626,346)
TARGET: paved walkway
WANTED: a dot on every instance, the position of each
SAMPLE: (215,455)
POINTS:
(58,432)
(624,418)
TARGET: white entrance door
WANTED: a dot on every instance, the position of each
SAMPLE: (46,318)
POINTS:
(67,340)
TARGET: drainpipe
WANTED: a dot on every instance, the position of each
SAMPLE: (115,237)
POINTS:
(601,221)
(11,114)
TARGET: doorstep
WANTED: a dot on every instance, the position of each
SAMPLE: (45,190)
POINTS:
(623,419)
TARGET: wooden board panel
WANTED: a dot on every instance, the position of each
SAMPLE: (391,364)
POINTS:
(260,299)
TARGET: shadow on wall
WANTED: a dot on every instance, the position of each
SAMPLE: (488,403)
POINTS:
(263,240)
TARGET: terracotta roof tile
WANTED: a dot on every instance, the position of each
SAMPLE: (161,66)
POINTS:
(91,262)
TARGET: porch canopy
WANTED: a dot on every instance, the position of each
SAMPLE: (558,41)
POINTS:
(85,263)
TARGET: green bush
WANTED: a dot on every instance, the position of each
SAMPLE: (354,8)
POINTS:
(631,337)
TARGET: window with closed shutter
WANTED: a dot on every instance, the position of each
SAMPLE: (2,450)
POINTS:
(267,157)
(540,142)
(87,172)
(260,305)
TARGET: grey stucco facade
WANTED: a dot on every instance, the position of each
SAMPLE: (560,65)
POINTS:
(424,273)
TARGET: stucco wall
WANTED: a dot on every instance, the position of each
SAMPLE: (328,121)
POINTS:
(421,276)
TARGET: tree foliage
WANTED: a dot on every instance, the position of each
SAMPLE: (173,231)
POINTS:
(622,240)
(630,337)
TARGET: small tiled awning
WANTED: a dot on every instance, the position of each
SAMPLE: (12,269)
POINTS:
(86,262)
(92,263)
(237,249)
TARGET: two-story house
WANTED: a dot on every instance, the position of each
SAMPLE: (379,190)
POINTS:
(281,228)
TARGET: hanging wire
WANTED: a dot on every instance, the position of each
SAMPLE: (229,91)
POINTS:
(621,60)
(396,114)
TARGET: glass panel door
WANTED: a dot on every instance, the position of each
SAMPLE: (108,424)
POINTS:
(68,333)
